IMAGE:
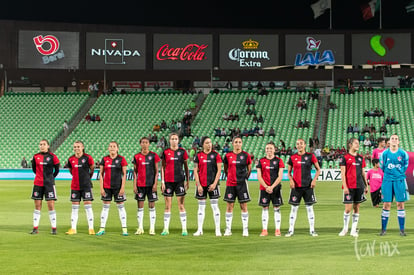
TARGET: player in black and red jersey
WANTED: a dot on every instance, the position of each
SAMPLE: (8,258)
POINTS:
(45,165)
(174,159)
(145,183)
(112,178)
(269,174)
(354,185)
(81,166)
(207,172)
(237,166)
(302,185)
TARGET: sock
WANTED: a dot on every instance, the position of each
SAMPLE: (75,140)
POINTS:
(167,217)
(355,219)
(346,220)
(122,215)
(229,220)
(140,217)
(104,214)
(216,213)
(36,218)
(183,218)
(201,214)
(384,219)
(89,215)
(265,218)
(401,218)
(74,216)
(278,218)
(311,217)
(245,220)
(292,217)
(52,218)
(152,216)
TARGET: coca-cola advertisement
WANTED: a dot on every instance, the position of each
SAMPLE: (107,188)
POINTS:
(248,52)
(183,51)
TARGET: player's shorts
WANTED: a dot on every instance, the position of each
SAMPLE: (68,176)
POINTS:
(240,191)
(146,192)
(84,194)
(275,198)
(376,197)
(215,194)
(356,195)
(110,192)
(296,195)
(394,188)
(47,191)
(174,187)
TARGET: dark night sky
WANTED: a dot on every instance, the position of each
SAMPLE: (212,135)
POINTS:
(276,14)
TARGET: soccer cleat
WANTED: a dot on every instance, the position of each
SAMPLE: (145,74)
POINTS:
(402,233)
(184,233)
(245,233)
(198,233)
(383,232)
(277,233)
(264,233)
(313,234)
(152,231)
(343,233)
(289,234)
(124,232)
(354,234)
(139,231)
(54,231)
(227,232)
(100,232)
(218,233)
(91,231)
(34,231)
(71,231)
(165,233)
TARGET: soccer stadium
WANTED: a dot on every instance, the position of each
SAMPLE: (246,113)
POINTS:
(103,86)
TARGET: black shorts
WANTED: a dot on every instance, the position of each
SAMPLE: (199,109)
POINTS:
(215,194)
(84,194)
(276,197)
(307,193)
(110,192)
(356,195)
(240,191)
(48,191)
(146,192)
(376,197)
(174,187)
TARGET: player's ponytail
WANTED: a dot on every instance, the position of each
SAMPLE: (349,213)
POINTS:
(349,143)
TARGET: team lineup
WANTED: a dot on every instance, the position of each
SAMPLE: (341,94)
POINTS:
(386,182)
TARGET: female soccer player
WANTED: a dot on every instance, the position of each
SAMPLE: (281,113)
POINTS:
(269,174)
(394,163)
(112,177)
(145,183)
(302,185)
(354,185)
(172,181)
(45,165)
(207,172)
(81,166)
(237,166)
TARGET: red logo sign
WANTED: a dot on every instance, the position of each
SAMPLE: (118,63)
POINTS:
(40,41)
(191,52)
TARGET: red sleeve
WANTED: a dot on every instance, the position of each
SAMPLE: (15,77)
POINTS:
(55,159)
(90,160)
(218,158)
(156,158)
(124,162)
(314,159)
(185,155)
(281,164)
(249,159)
(363,162)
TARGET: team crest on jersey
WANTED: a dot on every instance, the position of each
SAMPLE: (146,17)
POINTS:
(149,158)
(48,158)
(399,158)
(306,158)
(178,153)
(84,160)
(212,156)
(241,157)
(274,162)
(116,161)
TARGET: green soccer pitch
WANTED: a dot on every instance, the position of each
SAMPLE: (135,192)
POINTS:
(22,253)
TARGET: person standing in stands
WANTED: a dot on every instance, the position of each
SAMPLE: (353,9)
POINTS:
(45,165)
(81,167)
(237,167)
(302,185)
(145,184)
(174,159)
(112,178)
